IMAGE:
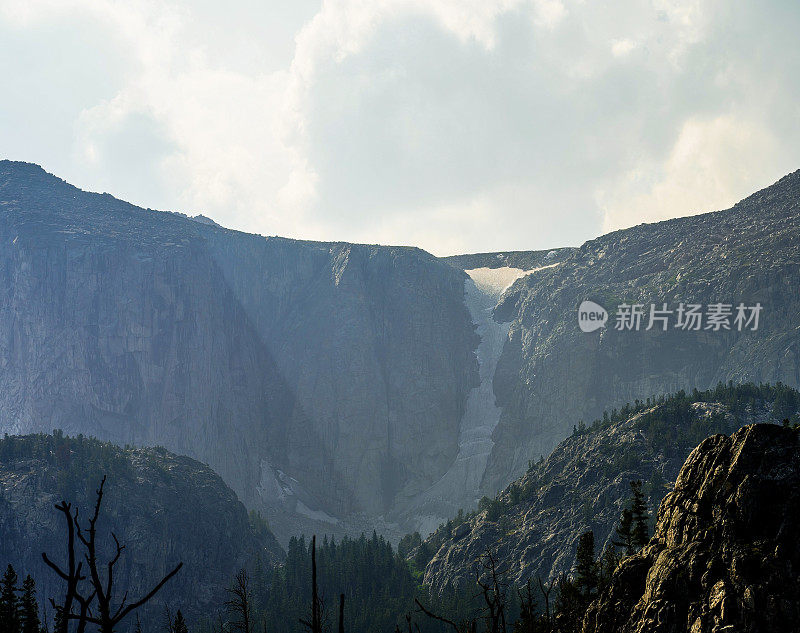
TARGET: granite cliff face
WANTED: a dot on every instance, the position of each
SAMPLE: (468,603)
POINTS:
(551,374)
(534,525)
(339,387)
(725,554)
(164,509)
(320,380)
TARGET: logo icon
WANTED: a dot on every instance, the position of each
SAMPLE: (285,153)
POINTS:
(591,316)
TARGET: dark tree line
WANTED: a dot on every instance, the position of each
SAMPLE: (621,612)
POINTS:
(19,608)
(379,584)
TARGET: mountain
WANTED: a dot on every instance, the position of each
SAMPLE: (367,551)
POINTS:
(551,374)
(725,554)
(340,387)
(320,380)
(533,526)
(164,508)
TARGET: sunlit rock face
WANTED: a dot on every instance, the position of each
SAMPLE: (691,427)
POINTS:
(725,553)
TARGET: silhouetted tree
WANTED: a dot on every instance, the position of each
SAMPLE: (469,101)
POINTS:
(569,606)
(606,565)
(9,602)
(106,617)
(179,625)
(29,608)
(586,572)
(315,625)
(240,605)
(529,619)
(494,593)
(624,532)
(72,576)
(640,530)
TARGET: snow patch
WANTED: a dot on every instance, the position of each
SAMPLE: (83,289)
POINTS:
(493,282)
(275,487)
(461,484)
(317,515)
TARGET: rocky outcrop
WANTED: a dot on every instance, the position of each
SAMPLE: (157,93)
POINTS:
(534,525)
(552,374)
(164,509)
(725,554)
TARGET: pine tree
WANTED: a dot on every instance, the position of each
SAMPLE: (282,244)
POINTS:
(640,530)
(29,608)
(179,626)
(607,564)
(624,532)
(569,608)
(586,579)
(9,602)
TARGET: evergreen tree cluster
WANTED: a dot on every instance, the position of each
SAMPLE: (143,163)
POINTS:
(378,583)
(81,461)
(591,575)
(781,401)
(19,609)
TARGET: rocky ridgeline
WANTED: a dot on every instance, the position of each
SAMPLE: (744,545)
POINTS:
(725,557)
(523,260)
(164,508)
(552,374)
(534,524)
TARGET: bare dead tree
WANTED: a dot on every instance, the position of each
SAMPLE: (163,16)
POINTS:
(107,617)
(240,603)
(467,626)
(72,576)
(317,607)
(494,592)
(412,626)
(546,595)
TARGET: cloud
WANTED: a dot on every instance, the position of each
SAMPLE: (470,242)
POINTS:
(710,167)
(454,125)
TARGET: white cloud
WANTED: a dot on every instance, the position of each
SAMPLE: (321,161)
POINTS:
(456,125)
(621,47)
(710,167)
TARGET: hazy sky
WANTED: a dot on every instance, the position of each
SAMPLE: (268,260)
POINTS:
(458,126)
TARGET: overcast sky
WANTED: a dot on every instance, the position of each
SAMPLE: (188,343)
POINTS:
(458,126)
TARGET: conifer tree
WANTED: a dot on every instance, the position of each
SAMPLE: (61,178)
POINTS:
(179,626)
(607,564)
(586,578)
(640,531)
(9,602)
(624,532)
(29,608)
